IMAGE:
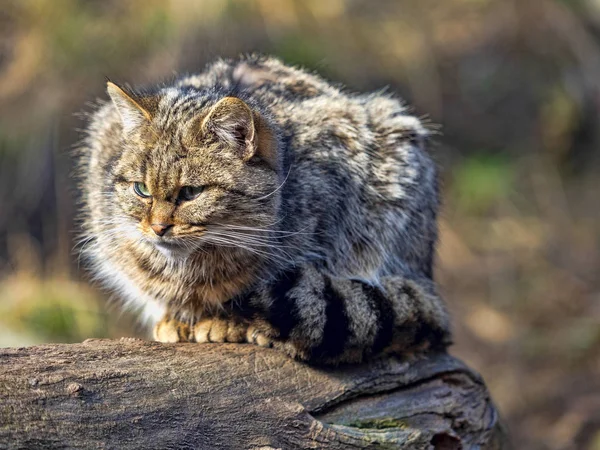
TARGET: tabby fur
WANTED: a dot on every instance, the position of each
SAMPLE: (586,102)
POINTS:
(316,228)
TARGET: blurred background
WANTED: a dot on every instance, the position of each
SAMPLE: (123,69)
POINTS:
(515,85)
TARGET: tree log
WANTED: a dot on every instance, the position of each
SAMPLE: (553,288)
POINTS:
(132,394)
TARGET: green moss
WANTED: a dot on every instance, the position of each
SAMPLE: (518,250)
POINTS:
(379,424)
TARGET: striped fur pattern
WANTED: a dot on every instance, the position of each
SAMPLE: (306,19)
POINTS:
(314,225)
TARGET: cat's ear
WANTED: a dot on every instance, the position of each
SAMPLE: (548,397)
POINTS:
(132,110)
(232,121)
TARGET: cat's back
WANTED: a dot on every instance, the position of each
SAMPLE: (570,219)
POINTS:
(317,114)
(261,76)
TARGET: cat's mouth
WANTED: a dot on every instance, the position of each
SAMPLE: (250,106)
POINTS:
(172,248)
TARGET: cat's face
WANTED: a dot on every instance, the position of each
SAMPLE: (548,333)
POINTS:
(208,177)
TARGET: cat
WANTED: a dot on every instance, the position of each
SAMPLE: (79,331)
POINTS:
(257,202)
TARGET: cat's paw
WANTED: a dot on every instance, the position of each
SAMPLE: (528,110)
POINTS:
(215,329)
(257,335)
(169,330)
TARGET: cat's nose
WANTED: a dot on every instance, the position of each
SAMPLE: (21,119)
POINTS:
(160,228)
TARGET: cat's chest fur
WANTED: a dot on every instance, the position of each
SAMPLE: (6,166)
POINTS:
(189,287)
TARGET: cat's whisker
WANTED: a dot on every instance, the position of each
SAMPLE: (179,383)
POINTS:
(82,244)
(228,243)
(250,241)
(279,187)
(266,225)
(265,230)
(265,240)
(269,241)
(190,244)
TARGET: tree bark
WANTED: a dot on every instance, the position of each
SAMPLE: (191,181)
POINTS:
(132,394)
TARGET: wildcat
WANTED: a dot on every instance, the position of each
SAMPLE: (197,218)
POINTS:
(256,202)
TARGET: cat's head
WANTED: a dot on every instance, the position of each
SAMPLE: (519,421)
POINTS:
(194,169)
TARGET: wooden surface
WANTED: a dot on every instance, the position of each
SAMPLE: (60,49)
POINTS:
(132,394)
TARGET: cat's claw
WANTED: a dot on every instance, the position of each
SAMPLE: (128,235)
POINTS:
(255,336)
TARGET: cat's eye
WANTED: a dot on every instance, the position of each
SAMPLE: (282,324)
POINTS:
(141,189)
(187,193)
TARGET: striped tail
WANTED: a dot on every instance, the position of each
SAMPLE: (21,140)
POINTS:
(322,319)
